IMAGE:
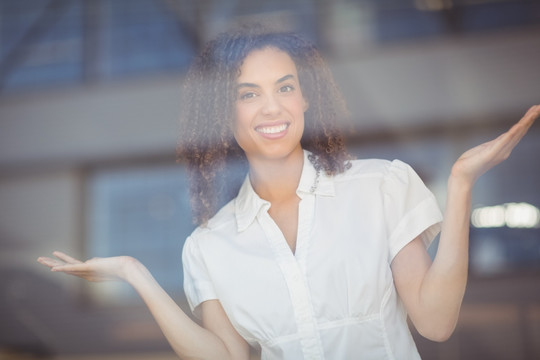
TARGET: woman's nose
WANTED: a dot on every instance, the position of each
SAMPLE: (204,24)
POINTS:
(271,105)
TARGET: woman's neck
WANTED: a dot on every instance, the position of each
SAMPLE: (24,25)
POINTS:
(276,180)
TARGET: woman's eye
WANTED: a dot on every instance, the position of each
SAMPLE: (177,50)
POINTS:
(286,88)
(247,95)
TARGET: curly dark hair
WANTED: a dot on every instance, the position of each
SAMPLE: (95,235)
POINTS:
(216,164)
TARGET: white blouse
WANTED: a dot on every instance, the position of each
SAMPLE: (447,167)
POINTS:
(334,298)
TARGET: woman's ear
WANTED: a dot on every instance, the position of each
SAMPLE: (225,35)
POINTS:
(306,105)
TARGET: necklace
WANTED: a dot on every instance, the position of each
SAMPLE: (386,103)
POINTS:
(315,182)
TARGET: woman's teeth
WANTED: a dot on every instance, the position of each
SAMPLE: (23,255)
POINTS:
(272,129)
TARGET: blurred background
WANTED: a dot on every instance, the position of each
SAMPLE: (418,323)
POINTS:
(89,94)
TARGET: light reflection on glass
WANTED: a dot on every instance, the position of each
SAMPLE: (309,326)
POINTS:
(512,215)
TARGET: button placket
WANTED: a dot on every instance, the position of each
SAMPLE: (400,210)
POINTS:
(293,273)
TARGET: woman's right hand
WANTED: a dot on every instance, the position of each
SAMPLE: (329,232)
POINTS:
(95,269)
(188,339)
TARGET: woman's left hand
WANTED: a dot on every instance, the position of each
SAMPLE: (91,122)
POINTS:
(476,161)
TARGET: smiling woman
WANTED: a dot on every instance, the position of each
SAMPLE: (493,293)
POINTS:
(220,85)
(269,120)
(316,256)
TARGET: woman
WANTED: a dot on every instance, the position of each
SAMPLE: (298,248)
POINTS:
(318,256)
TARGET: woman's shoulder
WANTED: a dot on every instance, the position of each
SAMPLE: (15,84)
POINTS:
(371,167)
(220,222)
(380,169)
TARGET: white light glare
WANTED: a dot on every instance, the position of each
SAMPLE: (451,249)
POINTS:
(513,215)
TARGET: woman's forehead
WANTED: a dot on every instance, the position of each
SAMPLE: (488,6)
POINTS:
(265,62)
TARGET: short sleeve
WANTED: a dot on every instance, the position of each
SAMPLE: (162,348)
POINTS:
(411,209)
(197,284)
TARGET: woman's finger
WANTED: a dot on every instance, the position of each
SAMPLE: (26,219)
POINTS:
(523,125)
(519,130)
(72,268)
(47,261)
(80,270)
(505,143)
(68,259)
(84,271)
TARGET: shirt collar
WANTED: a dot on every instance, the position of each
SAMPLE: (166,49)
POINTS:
(248,204)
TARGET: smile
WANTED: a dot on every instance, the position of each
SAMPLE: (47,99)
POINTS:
(272,129)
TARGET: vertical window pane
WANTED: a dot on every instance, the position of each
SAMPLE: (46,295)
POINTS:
(143,212)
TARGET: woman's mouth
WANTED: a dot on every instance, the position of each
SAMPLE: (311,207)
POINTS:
(274,129)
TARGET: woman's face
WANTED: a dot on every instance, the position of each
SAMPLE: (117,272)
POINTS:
(270,106)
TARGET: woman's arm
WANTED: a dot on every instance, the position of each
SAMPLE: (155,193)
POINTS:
(433,292)
(216,340)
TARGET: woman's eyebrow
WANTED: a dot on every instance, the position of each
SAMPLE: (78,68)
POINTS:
(252,85)
(286,77)
(249,85)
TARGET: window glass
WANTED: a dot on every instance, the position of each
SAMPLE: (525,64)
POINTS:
(143,212)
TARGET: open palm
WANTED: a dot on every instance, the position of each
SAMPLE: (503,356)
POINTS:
(95,269)
(476,161)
